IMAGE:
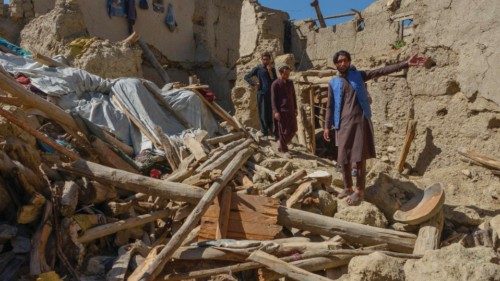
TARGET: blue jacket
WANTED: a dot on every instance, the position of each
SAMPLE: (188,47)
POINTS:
(357,82)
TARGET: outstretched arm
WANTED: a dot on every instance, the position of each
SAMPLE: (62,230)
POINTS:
(415,60)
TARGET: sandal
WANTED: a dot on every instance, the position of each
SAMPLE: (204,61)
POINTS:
(354,199)
(345,192)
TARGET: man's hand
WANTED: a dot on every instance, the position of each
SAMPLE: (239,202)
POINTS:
(326,134)
(417,60)
(277,116)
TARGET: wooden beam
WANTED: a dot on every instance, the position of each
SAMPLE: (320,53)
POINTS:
(150,56)
(304,189)
(109,157)
(482,159)
(225,138)
(315,5)
(225,208)
(111,228)
(154,267)
(133,182)
(284,268)
(38,135)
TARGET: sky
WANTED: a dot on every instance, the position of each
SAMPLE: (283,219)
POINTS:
(301,9)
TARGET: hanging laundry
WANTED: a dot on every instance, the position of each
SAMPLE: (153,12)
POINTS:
(116,8)
(158,6)
(131,15)
(170,18)
(143,4)
(8,47)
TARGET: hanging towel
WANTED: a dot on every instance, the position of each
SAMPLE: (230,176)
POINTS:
(170,18)
(116,8)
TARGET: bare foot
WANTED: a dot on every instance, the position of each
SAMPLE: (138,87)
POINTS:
(355,198)
(345,192)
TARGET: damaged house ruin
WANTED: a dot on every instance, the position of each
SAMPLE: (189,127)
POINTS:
(130,144)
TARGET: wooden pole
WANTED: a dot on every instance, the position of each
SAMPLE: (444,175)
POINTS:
(223,159)
(354,232)
(284,268)
(109,157)
(321,19)
(133,182)
(149,271)
(225,138)
(43,138)
(110,228)
(410,134)
(293,178)
(150,56)
(304,189)
(429,234)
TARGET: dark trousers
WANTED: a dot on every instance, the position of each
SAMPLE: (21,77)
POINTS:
(265,113)
(360,175)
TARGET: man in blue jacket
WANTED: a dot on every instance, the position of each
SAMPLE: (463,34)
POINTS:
(265,74)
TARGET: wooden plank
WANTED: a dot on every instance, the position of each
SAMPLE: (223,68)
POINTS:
(224,202)
(482,159)
(284,268)
(286,182)
(225,138)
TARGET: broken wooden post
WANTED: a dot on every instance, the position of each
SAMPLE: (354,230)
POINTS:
(284,268)
(38,135)
(429,234)
(293,178)
(150,56)
(110,228)
(133,182)
(217,162)
(410,134)
(321,19)
(149,271)
(304,189)
(170,152)
(481,159)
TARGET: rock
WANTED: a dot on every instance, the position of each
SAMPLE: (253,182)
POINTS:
(463,215)
(495,227)
(404,227)
(467,173)
(365,213)
(454,263)
(385,159)
(327,203)
(391,149)
(375,267)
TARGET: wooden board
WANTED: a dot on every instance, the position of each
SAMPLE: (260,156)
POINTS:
(250,217)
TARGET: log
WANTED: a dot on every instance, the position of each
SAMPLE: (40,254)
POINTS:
(286,182)
(110,228)
(257,168)
(109,157)
(69,198)
(284,193)
(52,111)
(43,138)
(225,138)
(225,207)
(216,153)
(133,182)
(223,159)
(284,268)
(47,61)
(185,170)
(429,234)
(38,262)
(203,178)
(154,62)
(304,189)
(163,103)
(120,266)
(353,232)
(483,160)
(170,152)
(11,101)
(156,265)
(196,148)
(321,19)
(410,135)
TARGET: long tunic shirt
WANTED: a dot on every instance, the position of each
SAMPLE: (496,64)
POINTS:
(355,138)
(264,77)
(284,102)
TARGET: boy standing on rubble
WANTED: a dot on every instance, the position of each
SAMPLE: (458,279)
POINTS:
(284,105)
(350,114)
(265,74)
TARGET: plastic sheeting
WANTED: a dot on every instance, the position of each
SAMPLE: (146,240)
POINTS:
(91,97)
